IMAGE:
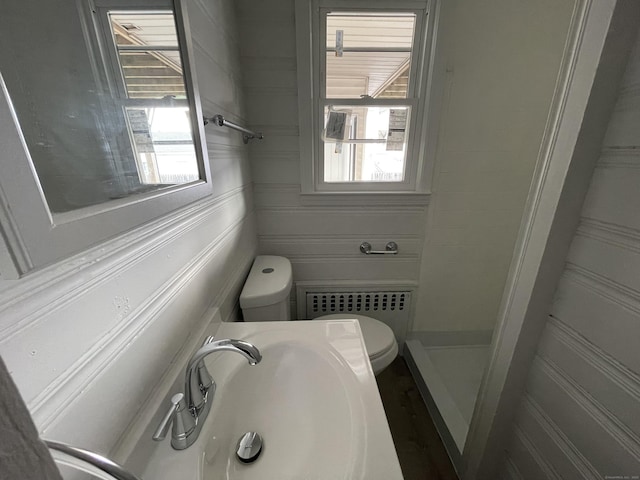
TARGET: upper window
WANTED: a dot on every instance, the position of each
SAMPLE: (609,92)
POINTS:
(367,81)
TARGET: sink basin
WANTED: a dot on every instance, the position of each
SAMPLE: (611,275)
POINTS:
(313,399)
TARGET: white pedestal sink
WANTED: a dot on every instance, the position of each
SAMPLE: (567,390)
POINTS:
(313,398)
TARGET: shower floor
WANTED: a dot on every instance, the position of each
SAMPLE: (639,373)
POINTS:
(461,369)
(449,380)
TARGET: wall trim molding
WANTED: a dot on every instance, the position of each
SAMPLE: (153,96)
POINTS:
(619,157)
(627,439)
(60,393)
(277,130)
(514,472)
(624,378)
(356,257)
(236,76)
(603,287)
(616,235)
(535,454)
(210,108)
(229,33)
(356,208)
(407,201)
(225,147)
(372,285)
(296,237)
(559,438)
(100,264)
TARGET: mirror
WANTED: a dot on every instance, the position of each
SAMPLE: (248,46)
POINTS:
(100,124)
(104,98)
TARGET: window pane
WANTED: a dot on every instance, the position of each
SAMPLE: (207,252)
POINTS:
(146,29)
(147,45)
(164,149)
(379,75)
(371,29)
(374,146)
(152,74)
(368,54)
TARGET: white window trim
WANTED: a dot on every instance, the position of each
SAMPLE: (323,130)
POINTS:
(427,67)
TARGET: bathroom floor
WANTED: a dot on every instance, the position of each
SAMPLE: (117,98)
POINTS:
(420,450)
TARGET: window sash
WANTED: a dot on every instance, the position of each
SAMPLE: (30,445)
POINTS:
(412,101)
(416,53)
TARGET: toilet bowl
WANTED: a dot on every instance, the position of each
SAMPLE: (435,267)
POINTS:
(381,344)
(265,297)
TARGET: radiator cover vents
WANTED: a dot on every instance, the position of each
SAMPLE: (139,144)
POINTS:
(389,307)
(326,303)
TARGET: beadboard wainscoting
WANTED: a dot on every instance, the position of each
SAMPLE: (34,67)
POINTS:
(322,236)
(87,339)
(579,416)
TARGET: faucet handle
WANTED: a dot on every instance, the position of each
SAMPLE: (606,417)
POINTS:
(163,428)
(180,416)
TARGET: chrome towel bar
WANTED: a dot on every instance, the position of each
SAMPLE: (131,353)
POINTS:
(390,248)
(222,122)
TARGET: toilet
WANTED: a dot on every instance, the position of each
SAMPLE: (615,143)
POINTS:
(265,297)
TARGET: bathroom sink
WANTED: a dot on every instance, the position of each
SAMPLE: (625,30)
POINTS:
(312,398)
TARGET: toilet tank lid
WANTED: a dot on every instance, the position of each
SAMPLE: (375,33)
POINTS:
(268,283)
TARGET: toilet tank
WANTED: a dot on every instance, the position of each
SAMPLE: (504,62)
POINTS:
(265,296)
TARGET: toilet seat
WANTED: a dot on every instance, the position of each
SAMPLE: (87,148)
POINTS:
(379,339)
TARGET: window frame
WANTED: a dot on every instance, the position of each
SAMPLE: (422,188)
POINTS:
(424,82)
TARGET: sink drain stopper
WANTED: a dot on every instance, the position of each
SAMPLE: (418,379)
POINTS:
(249,447)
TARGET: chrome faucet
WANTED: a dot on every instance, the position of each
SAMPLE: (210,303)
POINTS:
(188,411)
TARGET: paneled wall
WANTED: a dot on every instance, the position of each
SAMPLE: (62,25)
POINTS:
(502,60)
(580,413)
(322,242)
(86,340)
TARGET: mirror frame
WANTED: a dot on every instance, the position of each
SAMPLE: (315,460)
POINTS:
(31,236)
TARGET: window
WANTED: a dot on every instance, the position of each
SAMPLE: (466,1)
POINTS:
(365,72)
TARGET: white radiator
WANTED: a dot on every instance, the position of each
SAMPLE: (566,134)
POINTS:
(389,307)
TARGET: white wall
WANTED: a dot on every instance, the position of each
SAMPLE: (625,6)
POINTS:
(502,59)
(322,242)
(578,417)
(87,339)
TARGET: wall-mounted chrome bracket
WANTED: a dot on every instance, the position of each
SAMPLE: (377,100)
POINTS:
(247,134)
(390,248)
